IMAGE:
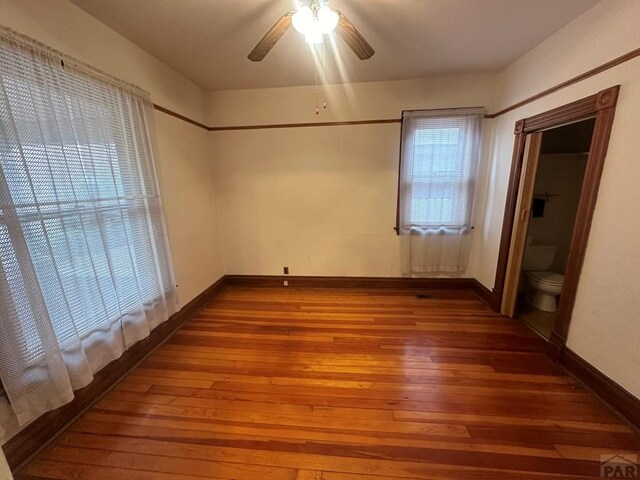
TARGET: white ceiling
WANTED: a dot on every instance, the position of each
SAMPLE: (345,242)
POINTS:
(208,40)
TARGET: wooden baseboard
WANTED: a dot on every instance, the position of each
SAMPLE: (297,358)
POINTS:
(489,296)
(351,282)
(195,305)
(556,346)
(472,284)
(31,439)
(616,397)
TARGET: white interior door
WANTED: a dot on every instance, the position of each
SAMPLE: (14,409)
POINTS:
(521,223)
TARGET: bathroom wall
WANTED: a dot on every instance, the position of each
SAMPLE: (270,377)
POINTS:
(559,175)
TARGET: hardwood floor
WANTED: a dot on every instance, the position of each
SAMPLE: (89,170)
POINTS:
(323,384)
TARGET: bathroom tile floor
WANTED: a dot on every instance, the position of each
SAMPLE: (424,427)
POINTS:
(541,322)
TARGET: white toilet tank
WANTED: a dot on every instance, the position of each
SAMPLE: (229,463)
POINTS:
(538,257)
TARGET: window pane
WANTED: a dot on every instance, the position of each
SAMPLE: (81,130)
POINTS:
(431,210)
(80,185)
(439,158)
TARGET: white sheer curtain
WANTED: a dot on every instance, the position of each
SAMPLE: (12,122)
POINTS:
(5,472)
(440,150)
(85,267)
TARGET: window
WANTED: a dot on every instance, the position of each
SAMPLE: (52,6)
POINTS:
(85,268)
(439,159)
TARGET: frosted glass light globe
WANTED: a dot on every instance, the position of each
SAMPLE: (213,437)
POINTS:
(327,19)
(303,19)
(313,26)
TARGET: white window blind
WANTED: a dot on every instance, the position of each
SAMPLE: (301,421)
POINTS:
(439,159)
(85,267)
(440,151)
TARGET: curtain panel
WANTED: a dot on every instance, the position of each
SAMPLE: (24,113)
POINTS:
(85,268)
(438,166)
(5,471)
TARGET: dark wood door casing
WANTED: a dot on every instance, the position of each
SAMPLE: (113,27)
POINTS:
(600,106)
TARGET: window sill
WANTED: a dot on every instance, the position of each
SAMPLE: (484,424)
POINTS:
(443,229)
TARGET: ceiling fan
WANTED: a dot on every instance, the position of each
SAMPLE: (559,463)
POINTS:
(313,19)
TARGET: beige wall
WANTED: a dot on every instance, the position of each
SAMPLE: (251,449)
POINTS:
(561,177)
(183,164)
(319,200)
(605,329)
(189,199)
(355,101)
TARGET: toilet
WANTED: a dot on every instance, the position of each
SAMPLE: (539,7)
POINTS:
(546,285)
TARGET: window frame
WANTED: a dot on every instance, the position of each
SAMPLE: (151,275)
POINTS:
(397,226)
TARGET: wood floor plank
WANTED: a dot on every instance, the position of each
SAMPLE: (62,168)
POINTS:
(161,464)
(342,384)
(315,440)
(356,457)
(58,470)
(309,475)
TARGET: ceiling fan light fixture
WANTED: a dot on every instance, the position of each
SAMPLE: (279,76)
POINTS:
(313,19)
(303,19)
(313,23)
(327,19)
(314,37)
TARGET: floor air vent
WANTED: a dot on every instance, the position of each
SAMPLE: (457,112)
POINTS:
(423,295)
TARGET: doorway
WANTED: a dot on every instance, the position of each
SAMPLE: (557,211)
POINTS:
(581,127)
(556,162)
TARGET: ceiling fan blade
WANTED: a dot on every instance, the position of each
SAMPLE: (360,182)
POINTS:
(274,34)
(353,38)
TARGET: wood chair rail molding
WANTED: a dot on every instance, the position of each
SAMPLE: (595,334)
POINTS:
(600,106)
(578,78)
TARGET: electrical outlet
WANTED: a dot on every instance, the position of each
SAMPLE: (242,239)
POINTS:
(285,283)
(286,270)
